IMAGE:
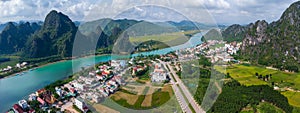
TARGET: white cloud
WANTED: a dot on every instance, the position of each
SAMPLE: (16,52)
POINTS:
(223,11)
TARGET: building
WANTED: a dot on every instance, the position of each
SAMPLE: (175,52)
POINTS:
(23,104)
(96,98)
(158,77)
(80,104)
(159,74)
(41,101)
(58,91)
(24,64)
(79,86)
(18,109)
(49,98)
(40,92)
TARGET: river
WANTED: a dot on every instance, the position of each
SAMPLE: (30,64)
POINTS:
(15,88)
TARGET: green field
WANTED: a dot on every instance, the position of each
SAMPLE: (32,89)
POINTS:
(170,39)
(158,98)
(13,61)
(170,106)
(245,74)
(293,97)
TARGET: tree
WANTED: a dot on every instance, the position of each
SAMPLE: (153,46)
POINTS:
(267,77)
(263,78)
(260,76)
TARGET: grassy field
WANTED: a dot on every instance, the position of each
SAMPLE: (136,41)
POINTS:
(293,98)
(104,109)
(13,61)
(147,99)
(169,107)
(245,74)
(170,39)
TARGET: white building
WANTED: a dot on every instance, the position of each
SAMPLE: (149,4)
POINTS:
(18,65)
(159,74)
(24,64)
(58,91)
(158,77)
(79,86)
(80,104)
(23,104)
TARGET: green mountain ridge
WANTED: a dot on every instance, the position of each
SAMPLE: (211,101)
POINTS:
(14,37)
(275,44)
(55,37)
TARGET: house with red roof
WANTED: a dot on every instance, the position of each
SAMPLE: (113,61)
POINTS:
(18,109)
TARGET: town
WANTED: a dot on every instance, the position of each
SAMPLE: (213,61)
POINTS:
(105,79)
(93,86)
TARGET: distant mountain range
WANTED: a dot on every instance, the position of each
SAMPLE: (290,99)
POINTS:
(190,25)
(56,34)
(274,44)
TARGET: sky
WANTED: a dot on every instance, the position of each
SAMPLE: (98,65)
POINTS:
(204,11)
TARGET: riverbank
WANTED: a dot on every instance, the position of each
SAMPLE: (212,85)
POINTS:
(45,62)
(49,63)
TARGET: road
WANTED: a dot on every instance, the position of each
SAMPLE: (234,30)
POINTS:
(185,90)
(180,98)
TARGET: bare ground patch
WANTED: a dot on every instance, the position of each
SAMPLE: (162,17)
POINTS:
(103,109)
(147,101)
(131,99)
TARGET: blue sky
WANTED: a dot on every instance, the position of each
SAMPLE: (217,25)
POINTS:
(205,11)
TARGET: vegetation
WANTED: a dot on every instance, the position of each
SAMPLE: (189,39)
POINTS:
(213,34)
(265,107)
(77,109)
(51,87)
(159,97)
(293,97)
(234,32)
(14,36)
(273,44)
(150,45)
(235,96)
(165,37)
(55,37)
(250,75)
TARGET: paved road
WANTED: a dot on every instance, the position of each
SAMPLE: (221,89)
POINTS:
(185,90)
(183,103)
(180,98)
